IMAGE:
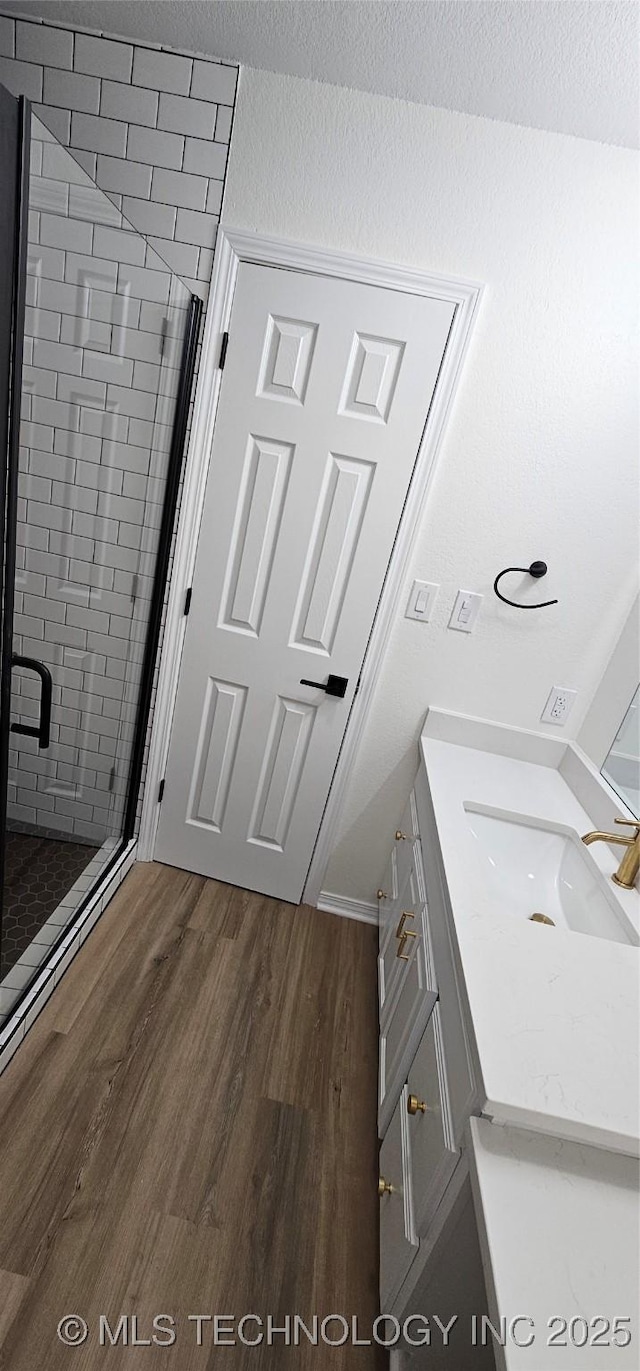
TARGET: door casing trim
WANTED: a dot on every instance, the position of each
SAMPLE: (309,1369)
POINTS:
(234,246)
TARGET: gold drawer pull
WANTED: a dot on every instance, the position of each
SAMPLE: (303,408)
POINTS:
(404,956)
(400,837)
(406,914)
(416,1106)
(385,1188)
(382,894)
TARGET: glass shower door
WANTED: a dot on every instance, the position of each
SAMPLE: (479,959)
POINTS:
(104,340)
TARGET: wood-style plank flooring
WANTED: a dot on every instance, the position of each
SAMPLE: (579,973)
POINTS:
(189,1128)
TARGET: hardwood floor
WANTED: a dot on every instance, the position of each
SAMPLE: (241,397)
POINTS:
(190,1128)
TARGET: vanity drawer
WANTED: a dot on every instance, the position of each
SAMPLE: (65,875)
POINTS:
(398,1241)
(409,1010)
(433,1155)
(404,927)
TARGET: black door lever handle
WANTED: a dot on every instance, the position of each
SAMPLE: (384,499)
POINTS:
(335,685)
(43,730)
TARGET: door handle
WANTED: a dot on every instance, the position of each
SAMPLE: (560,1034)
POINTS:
(335,685)
(43,730)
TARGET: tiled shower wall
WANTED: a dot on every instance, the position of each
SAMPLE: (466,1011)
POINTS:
(103,333)
(152,128)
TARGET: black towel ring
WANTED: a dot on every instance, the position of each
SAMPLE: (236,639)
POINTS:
(537,569)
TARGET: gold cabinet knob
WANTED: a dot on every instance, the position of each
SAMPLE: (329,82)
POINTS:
(416,1106)
(382,895)
(385,1187)
(401,954)
(406,914)
(400,837)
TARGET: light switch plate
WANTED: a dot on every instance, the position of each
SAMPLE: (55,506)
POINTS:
(465,611)
(421,601)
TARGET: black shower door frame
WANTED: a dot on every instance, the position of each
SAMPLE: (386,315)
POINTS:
(15,116)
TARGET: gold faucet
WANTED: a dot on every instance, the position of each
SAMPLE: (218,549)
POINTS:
(630,863)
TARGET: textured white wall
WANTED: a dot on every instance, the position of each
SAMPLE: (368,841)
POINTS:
(539,459)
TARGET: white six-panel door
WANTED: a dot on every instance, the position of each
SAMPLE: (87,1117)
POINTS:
(325,394)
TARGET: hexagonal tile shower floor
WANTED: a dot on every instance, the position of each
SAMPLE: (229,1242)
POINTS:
(39,873)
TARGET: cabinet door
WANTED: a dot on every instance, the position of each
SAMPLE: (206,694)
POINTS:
(432,1152)
(409,1012)
(398,1243)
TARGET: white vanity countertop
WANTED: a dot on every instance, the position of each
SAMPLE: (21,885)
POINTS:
(551,1215)
(554,1013)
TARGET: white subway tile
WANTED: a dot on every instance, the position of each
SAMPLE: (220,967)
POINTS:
(144,284)
(131,178)
(196,228)
(38,381)
(99,477)
(127,456)
(180,257)
(205,157)
(103,367)
(86,333)
(71,91)
(102,57)
(62,297)
(131,103)
(214,82)
(119,507)
(180,115)
(58,356)
(45,262)
(81,391)
(56,123)
(149,217)
(61,165)
(59,231)
(62,415)
(95,134)
(21,78)
(113,309)
(7,37)
(50,516)
(65,635)
(87,202)
(214,197)
(132,342)
(162,71)
(146,376)
(178,188)
(77,445)
(45,193)
(132,402)
(88,161)
(96,272)
(223,124)
(119,245)
(155,146)
(41,43)
(103,424)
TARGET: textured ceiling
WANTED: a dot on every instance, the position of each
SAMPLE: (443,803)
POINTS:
(566,65)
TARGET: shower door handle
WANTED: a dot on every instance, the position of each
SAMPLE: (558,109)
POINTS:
(43,731)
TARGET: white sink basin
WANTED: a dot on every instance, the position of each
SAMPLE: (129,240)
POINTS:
(532,869)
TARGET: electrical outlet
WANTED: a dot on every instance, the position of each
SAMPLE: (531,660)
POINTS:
(558,706)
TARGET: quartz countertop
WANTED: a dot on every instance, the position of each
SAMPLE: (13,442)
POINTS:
(559,1232)
(554,1013)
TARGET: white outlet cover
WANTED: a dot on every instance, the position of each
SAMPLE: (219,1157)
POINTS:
(558,706)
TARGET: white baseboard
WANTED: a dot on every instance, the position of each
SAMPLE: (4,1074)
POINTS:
(348,909)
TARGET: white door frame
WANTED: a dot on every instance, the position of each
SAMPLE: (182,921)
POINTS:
(233,247)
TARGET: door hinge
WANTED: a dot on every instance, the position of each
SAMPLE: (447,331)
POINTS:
(187,600)
(357,685)
(161,791)
(112,778)
(223,351)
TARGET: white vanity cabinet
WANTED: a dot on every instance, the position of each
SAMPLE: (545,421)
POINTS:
(407,988)
(427,1083)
